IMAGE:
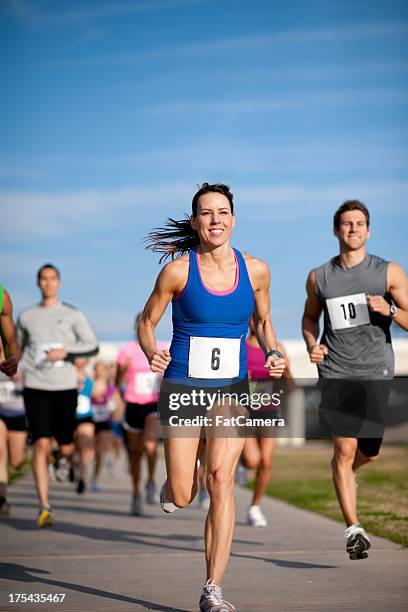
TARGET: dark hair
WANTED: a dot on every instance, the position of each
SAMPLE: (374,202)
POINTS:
(178,237)
(350,205)
(45,267)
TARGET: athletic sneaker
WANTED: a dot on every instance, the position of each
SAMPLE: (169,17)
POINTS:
(211,599)
(255,517)
(357,542)
(45,517)
(151,492)
(61,469)
(204,499)
(4,507)
(165,501)
(136,506)
(71,474)
(95,488)
(81,486)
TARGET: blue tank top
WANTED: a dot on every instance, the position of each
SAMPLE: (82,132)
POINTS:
(201,312)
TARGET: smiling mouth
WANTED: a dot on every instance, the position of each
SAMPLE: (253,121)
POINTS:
(216,232)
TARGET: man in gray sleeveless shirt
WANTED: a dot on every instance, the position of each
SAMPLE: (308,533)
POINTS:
(52,334)
(360,295)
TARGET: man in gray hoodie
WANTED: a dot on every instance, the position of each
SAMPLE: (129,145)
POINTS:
(51,334)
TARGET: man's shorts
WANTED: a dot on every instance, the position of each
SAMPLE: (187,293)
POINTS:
(136,414)
(51,414)
(16,423)
(102,426)
(353,409)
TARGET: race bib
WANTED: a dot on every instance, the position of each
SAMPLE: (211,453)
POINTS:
(348,311)
(100,413)
(214,357)
(145,383)
(41,353)
(7,389)
(83,406)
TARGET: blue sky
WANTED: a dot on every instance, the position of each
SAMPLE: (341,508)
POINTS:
(112,112)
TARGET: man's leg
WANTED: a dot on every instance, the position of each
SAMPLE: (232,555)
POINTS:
(42,448)
(3,459)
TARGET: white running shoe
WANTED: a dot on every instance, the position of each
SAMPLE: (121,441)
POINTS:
(211,599)
(136,506)
(255,517)
(357,542)
(151,497)
(165,501)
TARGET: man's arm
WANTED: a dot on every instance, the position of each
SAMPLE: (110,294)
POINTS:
(169,282)
(310,321)
(398,288)
(261,280)
(86,344)
(8,337)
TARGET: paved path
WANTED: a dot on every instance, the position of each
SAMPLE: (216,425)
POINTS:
(103,559)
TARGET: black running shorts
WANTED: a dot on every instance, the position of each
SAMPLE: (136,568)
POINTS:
(15,423)
(51,414)
(135,416)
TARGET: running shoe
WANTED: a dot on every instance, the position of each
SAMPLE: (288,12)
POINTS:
(136,506)
(204,499)
(45,517)
(165,501)
(81,486)
(255,517)
(95,488)
(71,474)
(357,542)
(61,469)
(151,496)
(4,507)
(211,599)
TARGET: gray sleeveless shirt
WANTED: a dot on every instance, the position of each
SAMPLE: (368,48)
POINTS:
(358,340)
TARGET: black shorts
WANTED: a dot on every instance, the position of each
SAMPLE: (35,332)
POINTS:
(85,419)
(135,416)
(51,414)
(354,409)
(15,423)
(102,426)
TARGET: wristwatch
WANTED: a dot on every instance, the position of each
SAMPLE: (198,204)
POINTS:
(274,353)
(393,310)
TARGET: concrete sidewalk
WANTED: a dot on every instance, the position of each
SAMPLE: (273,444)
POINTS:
(102,558)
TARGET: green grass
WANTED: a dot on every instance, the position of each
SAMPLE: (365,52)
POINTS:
(14,474)
(302,477)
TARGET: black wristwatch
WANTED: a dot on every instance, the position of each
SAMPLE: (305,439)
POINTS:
(393,310)
(274,353)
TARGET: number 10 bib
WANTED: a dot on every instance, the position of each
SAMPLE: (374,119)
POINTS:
(214,357)
(348,311)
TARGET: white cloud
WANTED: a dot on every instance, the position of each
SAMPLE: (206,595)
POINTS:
(32,216)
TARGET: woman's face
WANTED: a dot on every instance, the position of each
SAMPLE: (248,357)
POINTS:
(100,370)
(214,221)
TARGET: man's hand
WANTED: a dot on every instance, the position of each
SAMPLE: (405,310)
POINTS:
(57,354)
(159,361)
(376,303)
(317,353)
(276,366)
(9,366)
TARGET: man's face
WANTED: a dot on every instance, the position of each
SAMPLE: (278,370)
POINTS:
(49,283)
(353,232)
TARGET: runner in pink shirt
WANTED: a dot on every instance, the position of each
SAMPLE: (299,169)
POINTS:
(140,421)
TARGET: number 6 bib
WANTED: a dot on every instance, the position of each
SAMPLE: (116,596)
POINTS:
(348,311)
(214,357)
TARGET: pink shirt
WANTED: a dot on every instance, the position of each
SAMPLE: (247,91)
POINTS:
(142,384)
(256,362)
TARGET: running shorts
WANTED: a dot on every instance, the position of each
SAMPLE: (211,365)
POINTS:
(16,423)
(51,414)
(135,416)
